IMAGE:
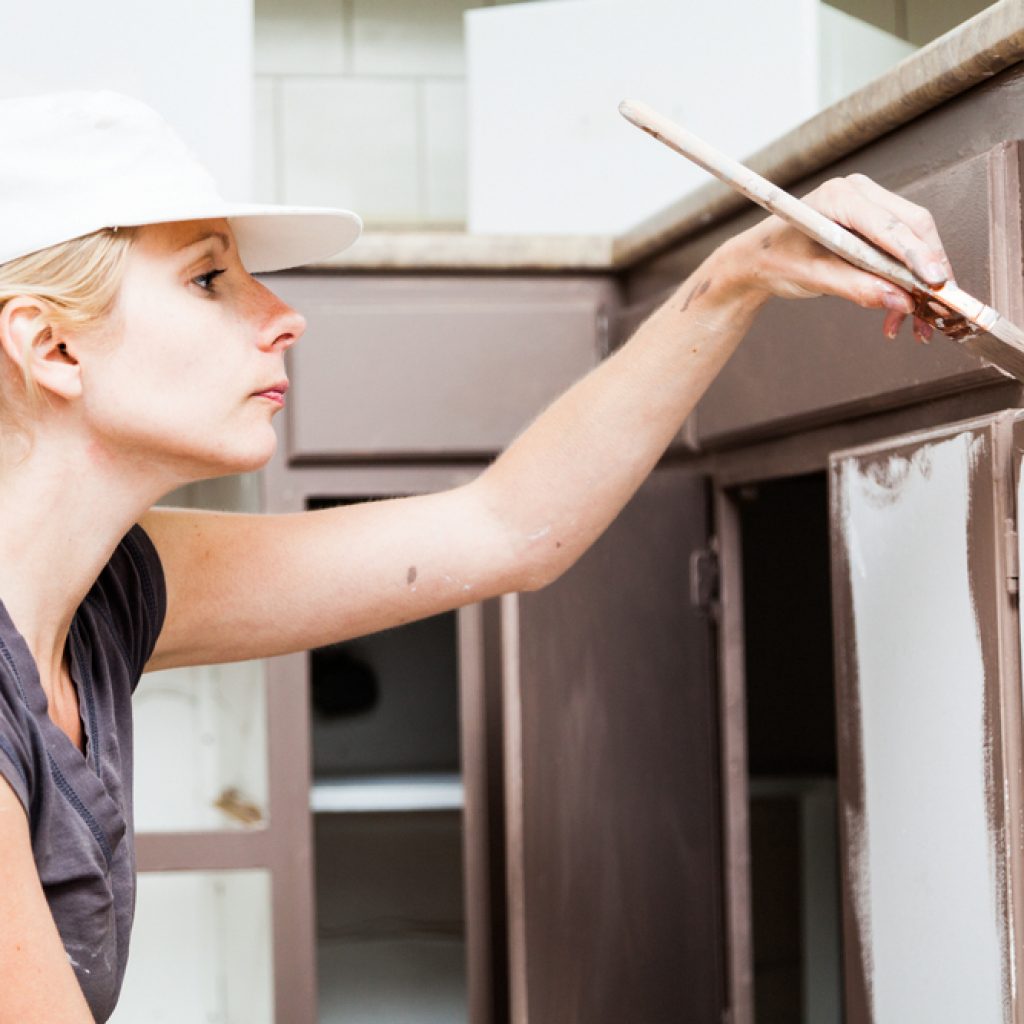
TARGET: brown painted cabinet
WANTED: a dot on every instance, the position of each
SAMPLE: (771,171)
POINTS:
(585,855)
(656,758)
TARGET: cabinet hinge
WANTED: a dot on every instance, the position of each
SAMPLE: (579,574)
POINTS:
(705,578)
(1012,557)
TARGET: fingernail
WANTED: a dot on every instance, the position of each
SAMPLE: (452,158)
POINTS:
(935,272)
(899,302)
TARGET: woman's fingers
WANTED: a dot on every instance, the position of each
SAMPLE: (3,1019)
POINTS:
(918,217)
(902,229)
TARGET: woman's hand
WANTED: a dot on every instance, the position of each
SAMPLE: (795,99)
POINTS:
(776,259)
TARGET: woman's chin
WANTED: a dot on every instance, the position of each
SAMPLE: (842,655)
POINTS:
(252,454)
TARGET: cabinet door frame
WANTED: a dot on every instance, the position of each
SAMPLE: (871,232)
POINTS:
(993,589)
(286,489)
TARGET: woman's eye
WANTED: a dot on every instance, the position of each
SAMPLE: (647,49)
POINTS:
(205,281)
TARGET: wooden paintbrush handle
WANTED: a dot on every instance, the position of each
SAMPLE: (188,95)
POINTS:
(794,211)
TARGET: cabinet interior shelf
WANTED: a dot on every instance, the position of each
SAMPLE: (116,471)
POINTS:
(434,791)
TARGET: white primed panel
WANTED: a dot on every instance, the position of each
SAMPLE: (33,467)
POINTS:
(200,741)
(191,60)
(201,950)
(922,857)
(548,150)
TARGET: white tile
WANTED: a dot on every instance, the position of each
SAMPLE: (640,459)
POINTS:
(444,151)
(408,37)
(295,37)
(352,143)
(265,135)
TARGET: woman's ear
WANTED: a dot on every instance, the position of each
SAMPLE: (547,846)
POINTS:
(32,344)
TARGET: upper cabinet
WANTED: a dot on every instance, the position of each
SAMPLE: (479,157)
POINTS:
(428,367)
(832,356)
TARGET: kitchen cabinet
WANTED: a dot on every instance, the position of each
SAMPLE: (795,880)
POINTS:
(529,750)
(669,759)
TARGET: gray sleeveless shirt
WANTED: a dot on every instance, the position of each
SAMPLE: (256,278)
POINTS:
(80,807)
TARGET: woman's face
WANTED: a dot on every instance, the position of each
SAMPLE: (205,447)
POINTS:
(196,345)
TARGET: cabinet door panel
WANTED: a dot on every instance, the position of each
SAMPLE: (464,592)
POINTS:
(429,368)
(929,725)
(825,358)
(615,900)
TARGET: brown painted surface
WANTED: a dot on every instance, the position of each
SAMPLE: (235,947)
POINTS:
(203,851)
(992,502)
(734,769)
(836,361)
(856,980)
(433,367)
(292,881)
(481,903)
(615,896)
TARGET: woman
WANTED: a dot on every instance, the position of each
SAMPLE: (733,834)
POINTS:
(138,354)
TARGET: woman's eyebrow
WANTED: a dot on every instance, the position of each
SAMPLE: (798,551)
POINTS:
(219,235)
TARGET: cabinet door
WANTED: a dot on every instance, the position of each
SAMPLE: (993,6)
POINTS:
(613,823)
(928,697)
(826,358)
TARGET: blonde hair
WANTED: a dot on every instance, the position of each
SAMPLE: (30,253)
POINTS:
(78,282)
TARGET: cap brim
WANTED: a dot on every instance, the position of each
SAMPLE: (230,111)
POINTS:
(278,237)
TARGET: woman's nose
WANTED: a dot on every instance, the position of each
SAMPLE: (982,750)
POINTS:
(284,329)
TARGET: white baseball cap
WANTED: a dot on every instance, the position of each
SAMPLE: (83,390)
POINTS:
(74,162)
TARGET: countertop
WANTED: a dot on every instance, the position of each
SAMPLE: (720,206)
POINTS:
(974,51)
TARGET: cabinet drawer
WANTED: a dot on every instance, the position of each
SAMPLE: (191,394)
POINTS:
(432,366)
(821,360)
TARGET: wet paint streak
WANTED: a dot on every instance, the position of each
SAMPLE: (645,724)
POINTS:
(984,558)
(923,877)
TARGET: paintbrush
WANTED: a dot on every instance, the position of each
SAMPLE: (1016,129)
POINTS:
(977,327)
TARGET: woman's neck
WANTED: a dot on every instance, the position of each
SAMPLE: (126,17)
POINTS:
(63,510)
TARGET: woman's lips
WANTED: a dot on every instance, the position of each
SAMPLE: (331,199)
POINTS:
(275,393)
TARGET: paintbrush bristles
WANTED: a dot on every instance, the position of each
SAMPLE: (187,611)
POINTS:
(1003,346)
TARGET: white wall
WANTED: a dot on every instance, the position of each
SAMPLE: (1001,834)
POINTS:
(550,154)
(191,60)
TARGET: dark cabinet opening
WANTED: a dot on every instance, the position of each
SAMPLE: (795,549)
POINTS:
(388,797)
(791,751)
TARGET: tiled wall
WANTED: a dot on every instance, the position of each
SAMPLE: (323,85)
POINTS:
(361,103)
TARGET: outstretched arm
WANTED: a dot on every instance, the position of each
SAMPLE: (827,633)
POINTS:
(244,586)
